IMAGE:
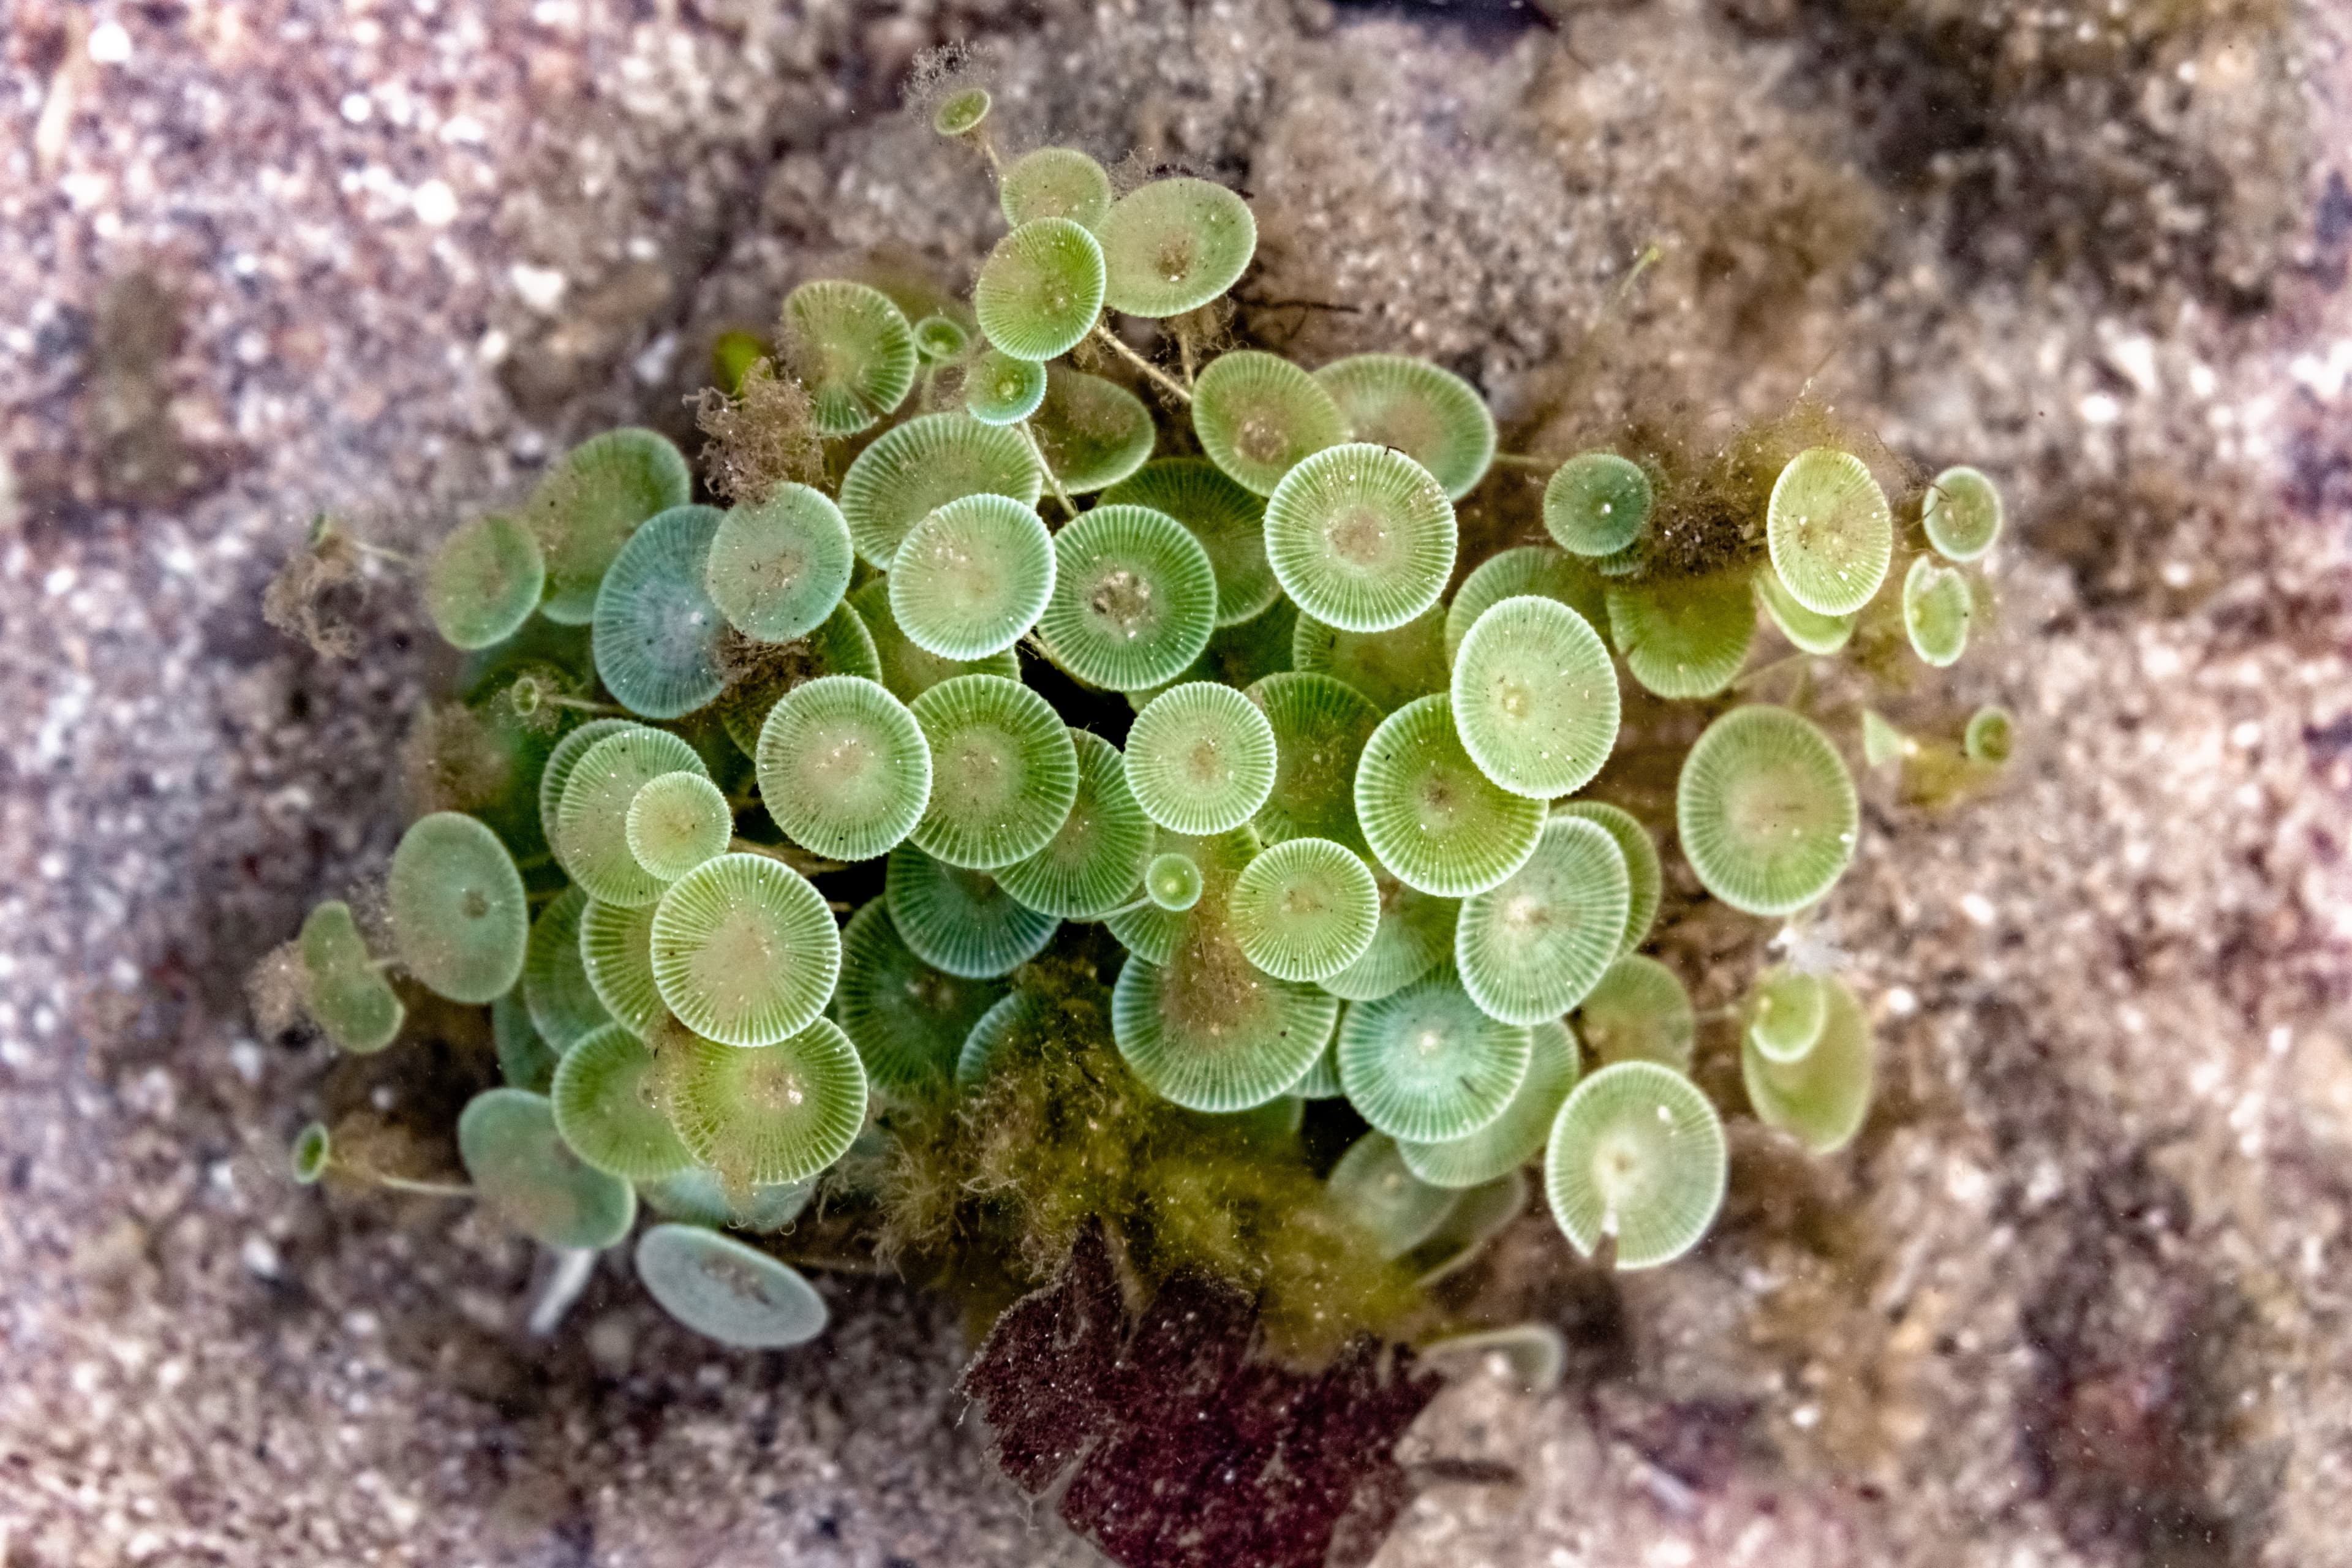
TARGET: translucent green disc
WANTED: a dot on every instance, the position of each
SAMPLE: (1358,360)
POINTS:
(1173,246)
(1530,948)
(1210,1032)
(563,1007)
(745,950)
(912,469)
(1257,415)
(1361,537)
(342,990)
(1055,181)
(1528,569)
(483,580)
(1639,1012)
(962,113)
(1425,1064)
(562,759)
(940,339)
(1807,632)
(1200,758)
(1683,637)
(1434,820)
(766,1114)
(1597,503)
(1004,771)
(459,918)
(1638,1154)
(1319,728)
(656,629)
(1535,697)
(776,570)
(531,1181)
(1305,909)
(1091,865)
(727,1292)
(1040,290)
(589,504)
(313,1151)
(1513,1138)
(1415,936)
(844,768)
(1991,736)
(1371,1185)
(1962,513)
(971,578)
(907,1019)
(1432,416)
(591,825)
(1154,933)
(906,670)
(1831,530)
(1785,1013)
(1229,522)
(1172,881)
(1822,1096)
(1093,433)
(679,821)
(1391,668)
(1134,598)
(1937,607)
(607,1110)
(1645,874)
(616,949)
(963,922)
(852,350)
(1766,810)
(1001,390)
(1882,742)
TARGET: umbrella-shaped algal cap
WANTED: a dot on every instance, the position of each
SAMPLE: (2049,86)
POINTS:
(1257,415)
(1684,637)
(1040,290)
(1415,936)
(1807,632)
(1513,1138)
(605,1108)
(1134,598)
(907,1019)
(1172,246)
(1373,1188)
(1152,932)
(1830,531)
(1821,1097)
(1004,771)
(562,759)
(852,350)
(910,471)
(1055,181)
(1361,537)
(726,1290)
(844,768)
(1643,868)
(1639,1012)
(342,990)
(312,1153)
(1200,758)
(592,825)
(765,1114)
(1637,1154)
(531,1181)
(777,569)
(1092,432)
(459,918)
(1209,1031)
(1882,742)
(676,822)
(1785,1012)
(1434,820)
(940,339)
(1432,416)
(483,582)
(999,389)
(971,578)
(1937,609)
(1305,909)
(589,504)
(745,950)
(963,111)
(1962,513)
(963,922)
(1535,697)
(1532,946)
(1426,1064)
(1229,522)
(1172,881)
(1095,858)
(1526,569)
(557,997)
(656,627)
(1320,725)
(1992,735)
(1597,503)
(1765,811)
(616,949)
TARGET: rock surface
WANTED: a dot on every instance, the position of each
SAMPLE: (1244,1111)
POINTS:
(2070,1297)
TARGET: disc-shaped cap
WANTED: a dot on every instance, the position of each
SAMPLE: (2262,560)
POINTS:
(1362,538)
(1639,1012)
(1785,1012)
(776,570)
(1391,668)
(940,340)
(971,578)
(1200,758)
(906,1017)
(1532,946)
(1415,936)
(1807,632)
(1305,909)
(1173,246)
(676,822)
(605,1108)
(1093,433)
(560,1004)
(1155,934)
(616,948)
(745,950)
(1937,609)
(1765,811)
(526,1176)
(562,758)
(1684,637)
(765,1114)
(1172,881)
(312,1150)
(1822,1096)
(1374,1189)
(1134,598)
(1095,858)
(1003,772)
(1535,697)
(727,1292)
(1229,522)
(1257,415)
(961,112)
(910,471)
(1636,1154)
(1991,736)
(1597,503)
(1208,1032)
(1434,820)
(1055,181)
(844,768)
(483,580)
(852,350)
(1962,513)
(459,918)
(1643,868)
(589,504)
(591,825)
(1432,416)
(1527,569)
(1425,1064)
(999,389)
(1319,725)
(1513,1138)
(1040,290)
(343,991)
(962,922)
(657,627)
(1830,531)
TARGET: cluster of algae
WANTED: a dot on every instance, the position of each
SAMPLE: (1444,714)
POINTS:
(1337,893)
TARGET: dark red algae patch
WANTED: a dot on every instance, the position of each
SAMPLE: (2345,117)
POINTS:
(1176,1441)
